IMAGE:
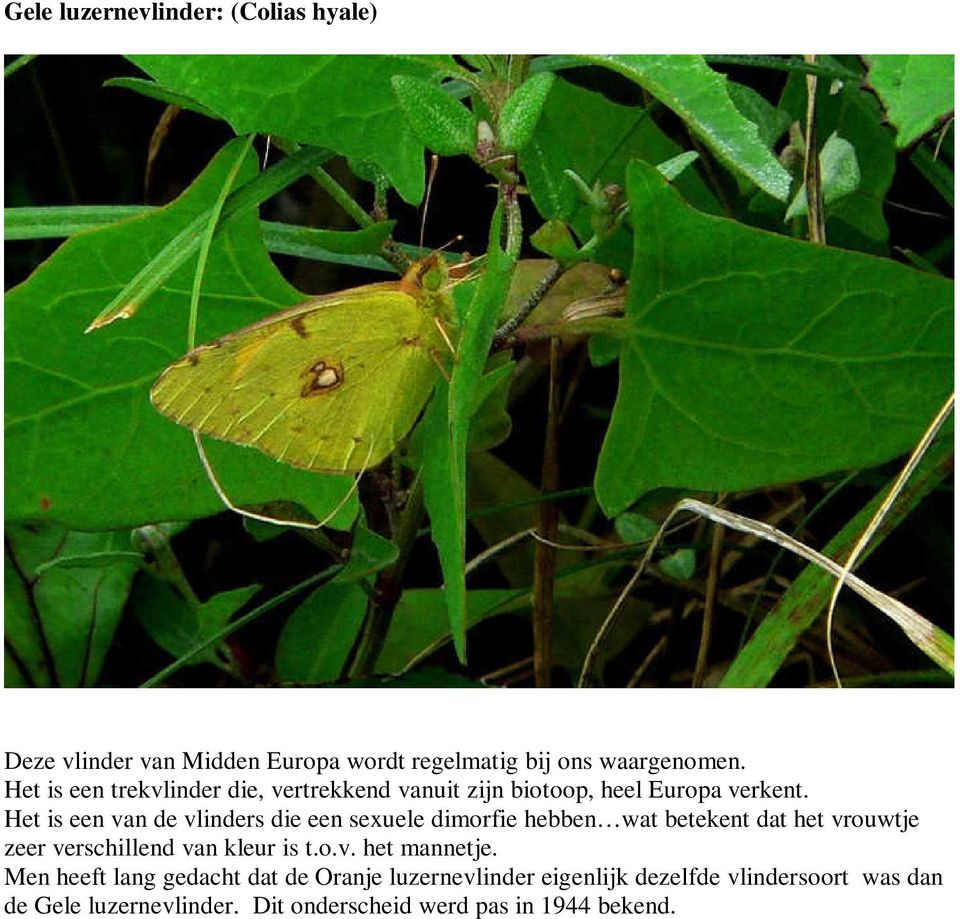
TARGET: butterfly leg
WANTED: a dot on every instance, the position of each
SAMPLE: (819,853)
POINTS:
(442,329)
(436,359)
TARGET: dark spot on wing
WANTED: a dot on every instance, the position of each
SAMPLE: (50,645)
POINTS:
(321,377)
(299,327)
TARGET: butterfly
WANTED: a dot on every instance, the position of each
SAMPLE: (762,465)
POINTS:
(332,384)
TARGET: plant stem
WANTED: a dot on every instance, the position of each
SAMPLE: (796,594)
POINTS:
(554,272)
(545,564)
(713,576)
(389,586)
(811,166)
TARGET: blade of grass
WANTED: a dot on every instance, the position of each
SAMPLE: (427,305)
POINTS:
(188,240)
(809,594)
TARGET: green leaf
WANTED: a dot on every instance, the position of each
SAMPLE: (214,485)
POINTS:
(935,171)
(491,421)
(916,89)
(154,91)
(522,110)
(318,637)
(446,429)
(85,447)
(421,624)
(771,122)
(444,124)
(319,634)
(369,554)
(492,484)
(672,167)
(635,528)
(754,359)
(322,100)
(680,564)
(555,239)
(686,84)
(59,624)
(839,175)
(856,221)
(345,247)
(178,626)
(583,131)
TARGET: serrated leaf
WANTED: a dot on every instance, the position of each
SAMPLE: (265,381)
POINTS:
(322,100)
(686,84)
(521,111)
(755,359)
(916,89)
(85,447)
(444,124)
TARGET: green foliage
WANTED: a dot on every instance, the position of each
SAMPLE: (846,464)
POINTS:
(749,359)
(743,363)
(343,103)
(68,389)
(916,89)
(443,124)
(521,111)
(64,594)
(698,95)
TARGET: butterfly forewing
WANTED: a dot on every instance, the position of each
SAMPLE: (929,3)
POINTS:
(331,385)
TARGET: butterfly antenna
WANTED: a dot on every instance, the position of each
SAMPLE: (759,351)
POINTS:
(266,518)
(434,167)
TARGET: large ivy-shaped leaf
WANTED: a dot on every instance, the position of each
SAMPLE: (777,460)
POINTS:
(752,359)
(84,445)
(332,101)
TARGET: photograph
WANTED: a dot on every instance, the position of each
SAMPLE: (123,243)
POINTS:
(479,371)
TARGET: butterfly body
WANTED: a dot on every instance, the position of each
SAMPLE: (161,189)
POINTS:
(331,385)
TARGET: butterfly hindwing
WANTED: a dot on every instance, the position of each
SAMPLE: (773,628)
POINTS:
(330,385)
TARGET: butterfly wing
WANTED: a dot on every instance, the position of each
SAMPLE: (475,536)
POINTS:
(330,385)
